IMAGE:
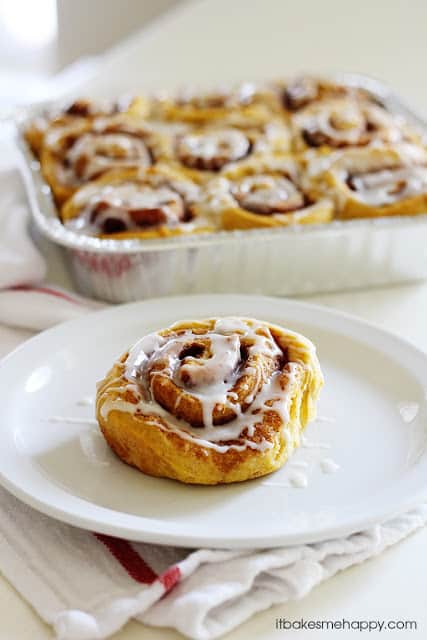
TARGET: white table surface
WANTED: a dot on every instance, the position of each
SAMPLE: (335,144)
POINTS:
(216,40)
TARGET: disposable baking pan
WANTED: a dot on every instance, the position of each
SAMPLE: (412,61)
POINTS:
(281,261)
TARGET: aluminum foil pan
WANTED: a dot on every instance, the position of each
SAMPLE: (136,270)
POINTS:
(282,261)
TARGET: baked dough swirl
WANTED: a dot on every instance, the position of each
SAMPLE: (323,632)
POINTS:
(82,151)
(375,182)
(303,91)
(81,109)
(346,123)
(241,106)
(210,401)
(134,203)
(202,152)
(265,191)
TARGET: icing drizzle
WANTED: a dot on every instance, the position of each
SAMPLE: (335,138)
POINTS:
(209,368)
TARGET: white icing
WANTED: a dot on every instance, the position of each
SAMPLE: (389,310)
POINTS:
(132,203)
(328,465)
(267,194)
(227,144)
(313,445)
(389,185)
(72,420)
(298,479)
(104,151)
(86,401)
(350,123)
(210,380)
(408,410)
(325,419)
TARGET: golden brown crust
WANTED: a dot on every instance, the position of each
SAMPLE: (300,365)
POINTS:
(269,173)
(147,442)
(343,123)
(340,170)
(83,150)
(90,198)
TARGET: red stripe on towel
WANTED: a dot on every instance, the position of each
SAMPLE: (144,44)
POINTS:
(129,559)
(170,577)
(47,290)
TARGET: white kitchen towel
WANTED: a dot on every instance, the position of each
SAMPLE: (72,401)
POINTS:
(89,585)
(24,301)
(20,262)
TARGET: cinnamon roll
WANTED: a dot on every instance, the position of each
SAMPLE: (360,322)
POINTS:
(134,203)
(242,106)
(263,192)
(375,182)
(82,151)
(204,151)
(303,91)
(210,401)
(347,123)
(81,109)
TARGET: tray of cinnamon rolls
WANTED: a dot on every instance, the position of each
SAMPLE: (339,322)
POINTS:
(283,187)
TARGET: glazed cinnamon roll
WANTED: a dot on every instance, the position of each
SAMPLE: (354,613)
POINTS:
(347,123)
(210,401)
(81,109)
(134,203)
(202,152)
(373,182)
(82,151)
(242,106)
(263,192)
(303,91)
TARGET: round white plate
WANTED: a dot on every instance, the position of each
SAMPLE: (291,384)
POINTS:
(373,425)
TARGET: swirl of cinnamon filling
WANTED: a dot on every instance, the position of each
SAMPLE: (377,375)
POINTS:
(388,185)
(267,194)
(93,154)
(208,376)
(212,150)
(345,123)
(86,151)
(129,200)
(299,93)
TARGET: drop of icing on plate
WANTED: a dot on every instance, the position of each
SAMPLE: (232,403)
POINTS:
(329,466)
(298,479)
(325,419)
(86,401)
(408,410)
(72,420)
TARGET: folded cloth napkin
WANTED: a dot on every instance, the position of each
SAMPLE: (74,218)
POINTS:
(88,585)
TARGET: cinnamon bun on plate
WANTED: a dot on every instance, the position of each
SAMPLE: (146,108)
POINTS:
(210,401)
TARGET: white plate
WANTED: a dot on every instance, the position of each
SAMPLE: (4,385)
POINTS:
(374,397)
